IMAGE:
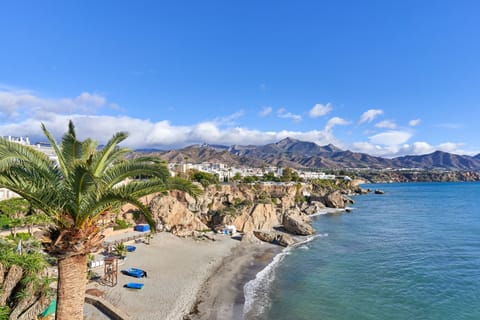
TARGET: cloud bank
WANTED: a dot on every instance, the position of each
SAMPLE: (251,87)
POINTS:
(22,112)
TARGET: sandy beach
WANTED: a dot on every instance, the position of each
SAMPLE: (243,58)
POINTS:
(187,274)
(222,295)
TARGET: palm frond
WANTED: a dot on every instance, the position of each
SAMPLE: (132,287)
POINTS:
(134,168)
(95,209)
(61,160)
(141,188)
(12,153)
(175,183)
(104,157)
(46,201)
(71,148)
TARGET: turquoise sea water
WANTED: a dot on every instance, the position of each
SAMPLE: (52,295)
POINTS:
(412,253)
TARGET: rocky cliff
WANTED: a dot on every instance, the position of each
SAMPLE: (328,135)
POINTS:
(261,207)
(419,176)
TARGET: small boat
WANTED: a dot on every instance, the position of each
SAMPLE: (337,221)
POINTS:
(131,248)
(133,285)
(134,272)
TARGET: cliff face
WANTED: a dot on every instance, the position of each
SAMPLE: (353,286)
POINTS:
(421,176)
(249,207)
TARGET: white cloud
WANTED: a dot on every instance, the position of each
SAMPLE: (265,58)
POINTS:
(391,138)
(386,124)
(365,147)
(282,113)
(21,103)
(451,147)
(369,115)
(416,148)
(419,147)
(265,111)
(161,134)
(414,122)
(229,119)
(319,110)
(335,121)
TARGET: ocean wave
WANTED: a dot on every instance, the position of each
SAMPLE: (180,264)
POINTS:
(256,291)
(327,211)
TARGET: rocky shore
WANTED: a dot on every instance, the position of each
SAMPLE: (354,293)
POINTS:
(271,212)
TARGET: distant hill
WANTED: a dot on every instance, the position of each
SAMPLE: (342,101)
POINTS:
(439,160)
(302,154)
(205,153)
(298,153)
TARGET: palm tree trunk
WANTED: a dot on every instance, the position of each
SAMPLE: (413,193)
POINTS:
(14,275)
(35,309)
(2,273)
(24,303)
(72,280)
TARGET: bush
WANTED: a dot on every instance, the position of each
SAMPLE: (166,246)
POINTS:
(204,178)
(120,249)
(121,224)
(238,203)
(24,236)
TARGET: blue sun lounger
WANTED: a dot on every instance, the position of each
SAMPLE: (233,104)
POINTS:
(133,285)
(134,272)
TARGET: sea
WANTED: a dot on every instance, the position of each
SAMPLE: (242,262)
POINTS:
(411,253)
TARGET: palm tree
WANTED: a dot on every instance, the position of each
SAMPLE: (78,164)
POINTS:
(74,192)
(24,290)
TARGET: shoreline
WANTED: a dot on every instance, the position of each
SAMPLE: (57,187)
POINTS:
(222,295)
(193,279)
(249,265)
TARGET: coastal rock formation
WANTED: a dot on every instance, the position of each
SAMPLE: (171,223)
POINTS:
(337,199)
(250,237)
(172,214)
(262,217)
(248,207)
(312,207)
(334,200)
(298,224)
(274,237)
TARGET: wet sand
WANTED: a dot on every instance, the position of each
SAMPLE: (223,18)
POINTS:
(222,296)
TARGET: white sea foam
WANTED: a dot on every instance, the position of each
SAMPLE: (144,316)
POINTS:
(256,291)
(326,211)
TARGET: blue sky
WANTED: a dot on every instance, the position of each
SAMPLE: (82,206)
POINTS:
(384,77)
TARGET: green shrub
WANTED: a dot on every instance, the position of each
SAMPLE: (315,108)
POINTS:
(120,249)
(121,224)
(24,236)
(4,312)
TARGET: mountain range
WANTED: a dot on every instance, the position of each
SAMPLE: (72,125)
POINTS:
(302,154)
